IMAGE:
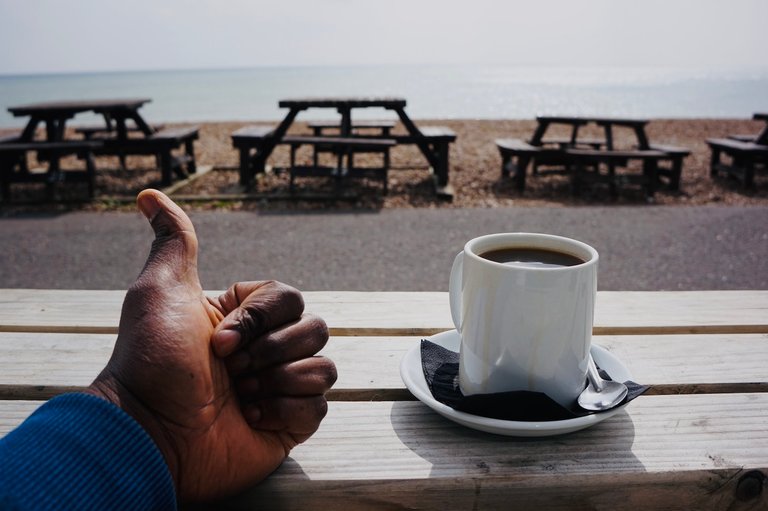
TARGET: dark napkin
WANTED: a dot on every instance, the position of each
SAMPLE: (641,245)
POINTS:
(441,370)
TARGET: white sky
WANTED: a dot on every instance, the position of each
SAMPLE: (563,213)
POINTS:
(99,35)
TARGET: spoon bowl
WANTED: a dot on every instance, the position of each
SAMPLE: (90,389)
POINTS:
(600,394)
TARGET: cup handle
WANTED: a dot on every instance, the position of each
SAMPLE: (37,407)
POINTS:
(454,289)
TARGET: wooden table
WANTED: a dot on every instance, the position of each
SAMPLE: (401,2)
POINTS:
(573,155)
(607,123)
(747,153)
(697,440)
(55,114)
(115,140)
(256,146)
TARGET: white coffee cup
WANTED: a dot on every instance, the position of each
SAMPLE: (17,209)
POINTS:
(523,327)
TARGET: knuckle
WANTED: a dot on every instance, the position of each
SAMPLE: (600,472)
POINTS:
(287,295)
(317,327)
(320,407)
(328,371)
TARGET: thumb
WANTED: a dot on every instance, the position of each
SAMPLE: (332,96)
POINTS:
(174,251)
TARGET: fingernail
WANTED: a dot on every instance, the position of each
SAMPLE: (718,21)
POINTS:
(227,341)
(148,205)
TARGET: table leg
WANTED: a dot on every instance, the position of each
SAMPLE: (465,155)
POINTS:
(642,139)
(538,135)
(122,134)
(426,150)
(714,162)
(611,167)
(258,162)
(650,171)
(54,133)
(189,149)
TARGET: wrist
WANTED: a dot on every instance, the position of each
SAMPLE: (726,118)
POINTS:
(109,388)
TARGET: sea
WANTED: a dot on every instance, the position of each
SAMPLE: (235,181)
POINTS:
(432,91)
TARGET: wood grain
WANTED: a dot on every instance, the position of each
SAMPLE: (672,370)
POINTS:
(671,452)
(403,313)
(40,365)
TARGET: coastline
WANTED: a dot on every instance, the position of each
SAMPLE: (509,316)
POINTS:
(475,171)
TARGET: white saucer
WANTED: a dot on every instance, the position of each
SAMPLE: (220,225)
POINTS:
(413,376)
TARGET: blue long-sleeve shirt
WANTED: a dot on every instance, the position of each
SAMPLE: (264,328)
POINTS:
(78,451)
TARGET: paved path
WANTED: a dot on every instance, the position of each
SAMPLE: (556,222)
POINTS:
(641,248)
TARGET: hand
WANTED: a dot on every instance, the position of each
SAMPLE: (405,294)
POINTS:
(226,387)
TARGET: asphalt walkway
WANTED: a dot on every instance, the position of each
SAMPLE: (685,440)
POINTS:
(641,248)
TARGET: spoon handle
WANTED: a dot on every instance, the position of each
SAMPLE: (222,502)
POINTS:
(594,376)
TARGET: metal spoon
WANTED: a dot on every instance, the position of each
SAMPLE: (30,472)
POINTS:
(600,394)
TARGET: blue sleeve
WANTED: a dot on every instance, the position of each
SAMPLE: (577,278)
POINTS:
(78,451)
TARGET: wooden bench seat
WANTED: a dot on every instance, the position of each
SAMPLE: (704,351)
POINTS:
(162,144)
(675,157)
(342,147)
(745,158)
(385,127)
(595,143)
(516,154)
(743,137)
(100,131)
(582,158)
(250,134)
(14,169)
(341,142)
(251,141)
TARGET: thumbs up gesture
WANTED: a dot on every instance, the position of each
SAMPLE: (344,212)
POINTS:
(225,386)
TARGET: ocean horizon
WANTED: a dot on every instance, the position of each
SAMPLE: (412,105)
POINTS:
(432,91)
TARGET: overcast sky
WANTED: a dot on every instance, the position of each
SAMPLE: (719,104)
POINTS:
(39,36)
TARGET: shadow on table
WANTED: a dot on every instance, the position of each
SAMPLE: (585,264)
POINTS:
(580,469)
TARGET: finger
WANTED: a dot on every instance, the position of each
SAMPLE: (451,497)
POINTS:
(307,377)
(294,341)
(174,251)
(298,416)
(253,309)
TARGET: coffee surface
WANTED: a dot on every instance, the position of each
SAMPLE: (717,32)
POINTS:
(531,257)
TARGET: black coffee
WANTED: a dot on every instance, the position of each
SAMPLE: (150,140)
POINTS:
(531,257)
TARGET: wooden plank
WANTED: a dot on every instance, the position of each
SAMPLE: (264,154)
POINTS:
(737,146)
(412,313)
(342,102)
(343,142)
(670,452)
(41,365)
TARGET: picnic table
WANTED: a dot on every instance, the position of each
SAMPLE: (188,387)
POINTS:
(698,439)
(576,154)
(256,143)
(747,153)
(121,117)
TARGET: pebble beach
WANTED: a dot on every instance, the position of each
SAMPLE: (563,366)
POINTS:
(475,172)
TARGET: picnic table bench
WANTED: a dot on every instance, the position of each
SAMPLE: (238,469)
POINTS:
(383,127)
(747,153)
(342,147)
(97,131)
(257,143)
(572,155)
(121,117)
(15,169)
(696,440)
(173,147)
